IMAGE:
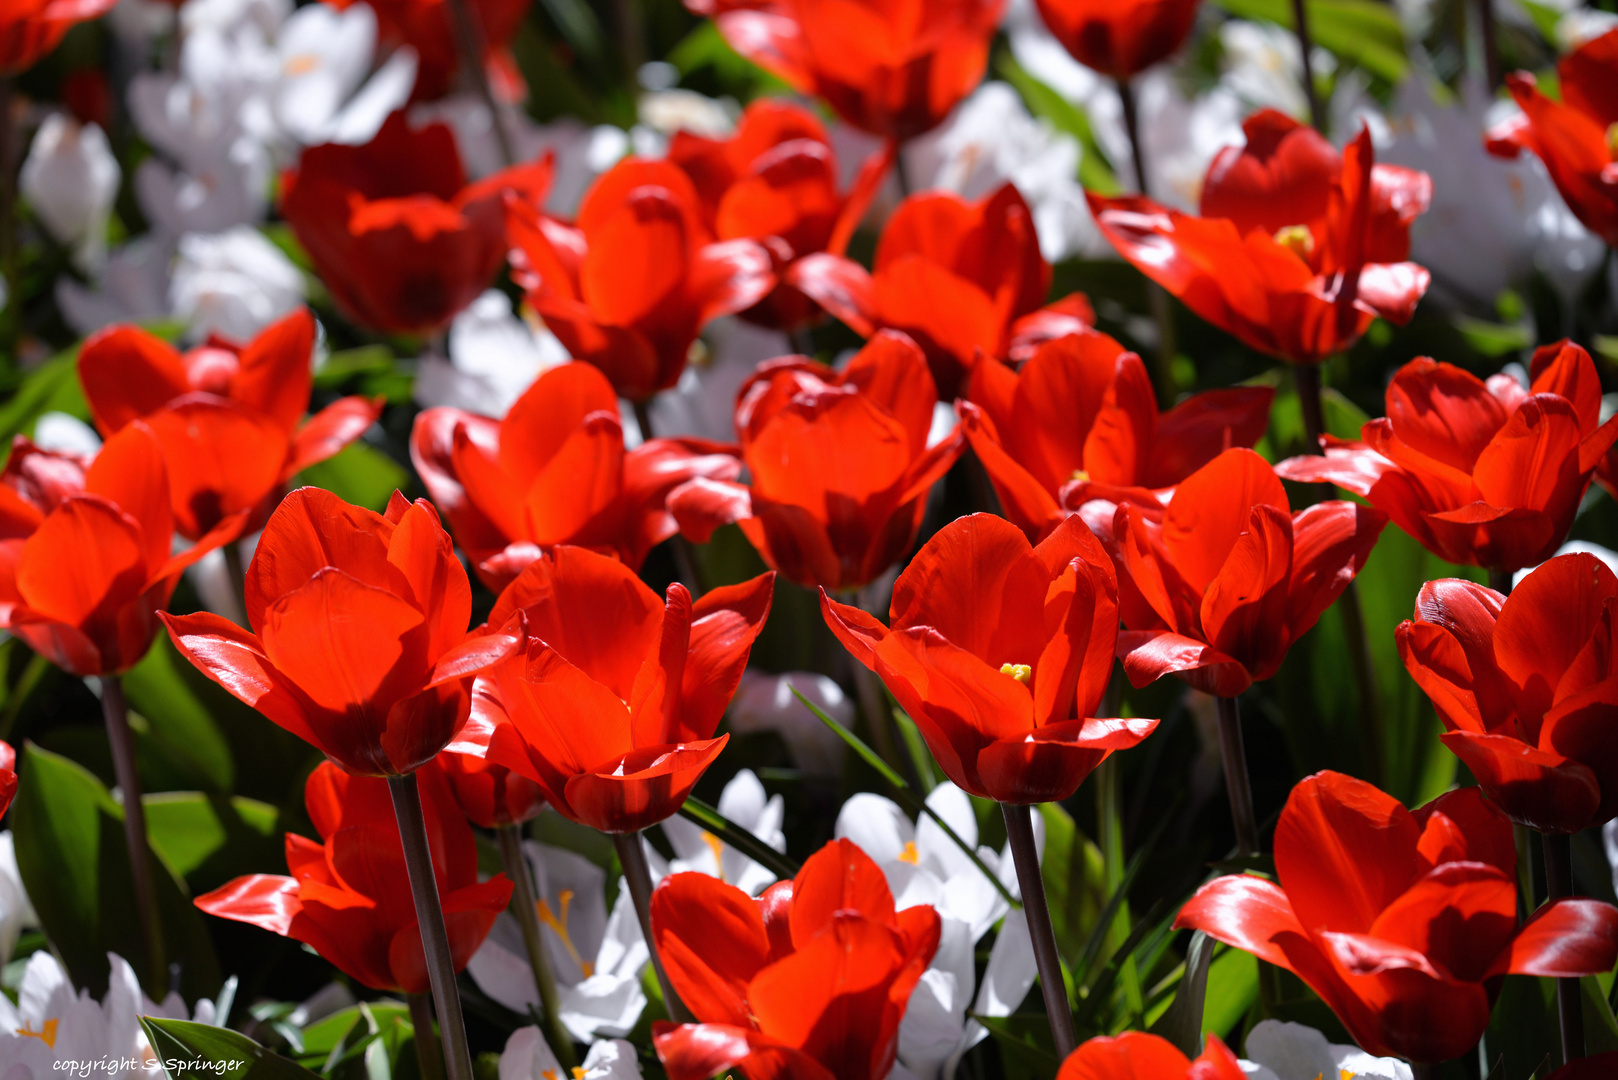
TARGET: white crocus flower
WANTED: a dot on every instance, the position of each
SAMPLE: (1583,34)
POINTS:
(70,178)
(66,434)
(528,1057)
(132,288)
(234,283)
(494,356)
(597,958)
(765,702)
(743,802)
(1285,1051)
(51,1024)
(924,866)
(16,913)
(322,57)
(566,138)
(1262,66)
(991,139)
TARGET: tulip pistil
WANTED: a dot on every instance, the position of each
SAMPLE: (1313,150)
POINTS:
(1023,673)
(1296,239)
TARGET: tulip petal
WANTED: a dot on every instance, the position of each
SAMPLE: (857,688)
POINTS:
(643,787)
(310,530)
(1243,911)
(1331,541)
(1352,466)
(235,659)
(701,1051)
(1533,462)
(1457,916)
(727,621)
(548,413)
(702,505)
(1200,428)
(130,472)
(1148,655)
(1485,535)
(838,877)
(1533,787)
(1023,499)
(265,900)
(1244,608)
(127,373)
(729,277)
(331,429)
(841,286)
(1344,851)
(1567,938)
(274,377)
(1050,763)
(712,942)
(1544,625)
(221,459)
(84,562)
(1210,510)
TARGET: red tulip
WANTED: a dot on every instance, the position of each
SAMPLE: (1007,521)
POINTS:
(490,795)
(1079,421)
(394,230)
(85,564)
(230,417)
(555,471)
(1573,137)
(1526,688)
(1595,1067)
(1305,291)
(839,464)
(629,286)
(893,69)
(958,277)
(1402,922)
(611,707)
(775,181)
(8,775)
(349,898)
(1135,1055)
(1001,653)
(361,647)
(427,26)
(31,28)
(1217,589)
(1480,473)
(1120,38)
(808,982)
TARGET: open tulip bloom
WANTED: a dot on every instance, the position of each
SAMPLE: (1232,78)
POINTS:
(839,465)
(611,705)
(398,235)
(1525,687)
(1079,422)
(631,282)
(1573,136)
(230,417)
(895,70)
(1402,922)
(1120,38)
(1001,652)
(1485,473)
(1136,1055)
(1302,289)
(1219,586)
(349,896)
(808,982)
(961,278)
(775,181)
(555,471)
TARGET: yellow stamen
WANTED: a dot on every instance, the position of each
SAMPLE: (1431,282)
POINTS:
(718,850)
(302,64)
(47,1035)
(550,1074)
(1023,673)
(1296,239)
(1612,139)
(1081,476)
(578,1072)
(550,919)
(910,854)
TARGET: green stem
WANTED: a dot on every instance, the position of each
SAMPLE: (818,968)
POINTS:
(527,912)
(1234,756)
(1024,853)
(632,857)
(1156,297)
(1569,1001)
(115,709)
(430,922)
(429,1055)
(469,38)
(1300,26)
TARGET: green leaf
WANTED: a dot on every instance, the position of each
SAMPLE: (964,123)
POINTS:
(739,838)
(75,865)
(324,1036)
(1232,989)
(190,1050)
(179,725)
(1024,1040)
(1182,1024)
(371,370)
(209,839)
(1042,101)
(360,474)
(51,387)
(1363,32)
(1491,339)
(1600,1027)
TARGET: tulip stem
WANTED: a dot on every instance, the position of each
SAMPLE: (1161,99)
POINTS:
(238,579)
(632,857)
(1491,49)
(429,1056)
(430,921)
(1306,379)
(1300,26)
(1558,850)
(11,309)
(1240,789)
(1020,835)
(469,36)
(115,709)
(522,899)
(1156,297)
